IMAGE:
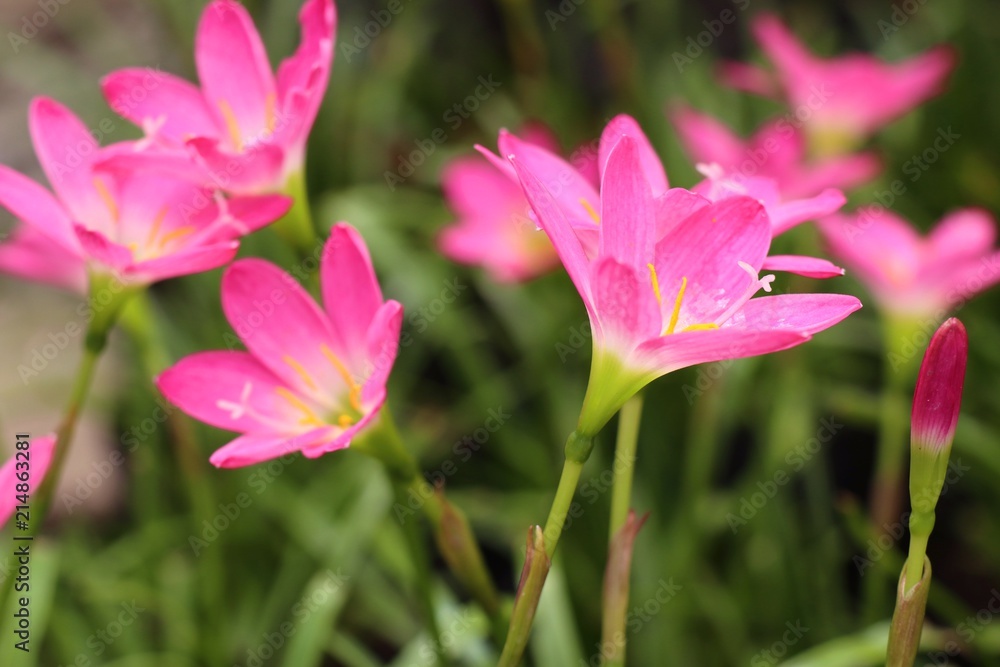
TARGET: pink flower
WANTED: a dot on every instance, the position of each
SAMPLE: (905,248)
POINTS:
(495,228)
(35,461)
(247,127)
(671,282)
(848,96)
(938,396)
(912,276)
(776,151)
(309,380)
(139,226)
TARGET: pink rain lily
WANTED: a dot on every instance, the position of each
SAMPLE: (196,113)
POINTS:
(496,228)
(138,226)
(937,398)
(580,201)
(847,97)
(776,151)
(672,279)
(35,463)
(911,276)
(246,126)
(310,380)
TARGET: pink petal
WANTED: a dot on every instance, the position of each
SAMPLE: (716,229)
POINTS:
(34,205)
(383,345)
(148,96)
(812,267)
(706,139)
(473,186)
(679,350)
(573,193)
(254,212)
(625,303)
(336,441)
(234,72)
(39,458)
(704,252)
(649,162)
(627,207)
(880,247)
(257,169)
(803,313)
(101,249)
(230,390)
(965,233)
(967,279)
(786,215)
(282,326)
(33,255)
(674,206)
(66,151)
(184,262)
(303,78)
(559,229)
(748,78)
(791,59)
(845,172)
(254,448)
(351,293)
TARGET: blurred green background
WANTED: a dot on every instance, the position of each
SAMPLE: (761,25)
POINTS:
(315,561)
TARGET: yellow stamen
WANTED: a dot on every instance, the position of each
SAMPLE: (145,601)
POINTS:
(590,211)
(708,326)
(656,283)
(301,371)
(355,390)
(175,235)
(154,231)
(677,306)
(231,124)
(269,116)
(344,421)
(105,195)
(310,416)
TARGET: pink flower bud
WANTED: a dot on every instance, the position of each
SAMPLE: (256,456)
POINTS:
(938,395)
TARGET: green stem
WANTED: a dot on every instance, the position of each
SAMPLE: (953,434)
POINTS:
(578,448)
(297,227)
(624,463)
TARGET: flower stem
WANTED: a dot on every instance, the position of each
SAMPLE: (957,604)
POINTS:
(578,448)
(297,227)
(624,463)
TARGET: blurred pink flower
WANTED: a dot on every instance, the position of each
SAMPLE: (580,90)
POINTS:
(671,282)
(496,228)
(776,151)
(848,96)
(938,395)
(246,126)
(310,379)
(139,225)
(35,464)
(914,276)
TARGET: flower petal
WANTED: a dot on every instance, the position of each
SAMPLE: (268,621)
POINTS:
(32,255)
(626,126)
(804,313)
(706,139)
(230,390)
(812,267)
(184,262)
(34,205)
(235,73)
(66,151)
(788,214)
(676,351)
(351,293)
(627,207)
(255,170)
(282,326)
(149,97)
(383,345)
(962,234)
(626,304)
